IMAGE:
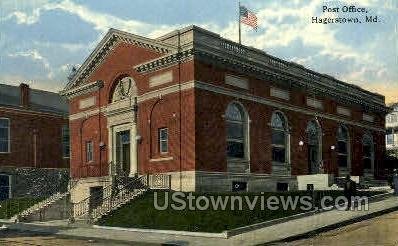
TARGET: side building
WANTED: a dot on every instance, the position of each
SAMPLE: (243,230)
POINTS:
(215,115)
(34,142)
(392,133)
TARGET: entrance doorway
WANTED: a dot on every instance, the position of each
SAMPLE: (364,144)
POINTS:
(123,153)
(5,189)
(96,197)
(314,156)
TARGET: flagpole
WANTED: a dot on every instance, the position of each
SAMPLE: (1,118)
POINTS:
(239,22)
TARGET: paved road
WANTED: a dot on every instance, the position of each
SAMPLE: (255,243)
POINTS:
(381,230)
(17,238)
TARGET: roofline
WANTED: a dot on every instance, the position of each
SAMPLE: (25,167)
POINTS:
(112,36)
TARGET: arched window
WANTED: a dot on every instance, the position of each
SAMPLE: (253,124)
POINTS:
(342,146)
(279,137)
(314,135)
(368,149)
(124,88)
(235,118)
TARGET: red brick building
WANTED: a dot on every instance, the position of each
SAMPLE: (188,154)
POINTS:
(212,113)
(33,135)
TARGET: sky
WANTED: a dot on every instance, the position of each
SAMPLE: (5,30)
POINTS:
(40,40)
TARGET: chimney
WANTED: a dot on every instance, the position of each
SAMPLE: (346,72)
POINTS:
(24,92)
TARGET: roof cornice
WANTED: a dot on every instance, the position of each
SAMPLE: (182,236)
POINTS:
(110,40)
(83,89)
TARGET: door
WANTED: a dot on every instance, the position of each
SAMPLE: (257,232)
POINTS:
(312,159)
(96,197)
(4,187)
(123,153)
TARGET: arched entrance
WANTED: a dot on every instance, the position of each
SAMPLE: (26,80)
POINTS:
(122,128)
(314,139)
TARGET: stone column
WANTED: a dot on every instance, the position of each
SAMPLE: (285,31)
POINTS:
(110,151)
(133,150)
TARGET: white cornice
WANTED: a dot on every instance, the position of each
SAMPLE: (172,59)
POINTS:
(83,89)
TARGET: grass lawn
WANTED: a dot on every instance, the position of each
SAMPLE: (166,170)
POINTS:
(10,207)
(141,213)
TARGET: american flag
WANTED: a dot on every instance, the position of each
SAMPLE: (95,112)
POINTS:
(247,17)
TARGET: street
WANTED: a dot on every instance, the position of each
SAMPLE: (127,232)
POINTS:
(381,230)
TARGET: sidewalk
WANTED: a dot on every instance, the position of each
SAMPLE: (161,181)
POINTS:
(271,233)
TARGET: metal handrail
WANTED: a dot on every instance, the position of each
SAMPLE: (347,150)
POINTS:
(82,208)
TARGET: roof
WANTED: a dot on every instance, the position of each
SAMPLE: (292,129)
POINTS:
(42,101)
(193,40)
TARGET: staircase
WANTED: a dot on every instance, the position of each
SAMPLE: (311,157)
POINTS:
(114,203)
(112,197)
(39,206)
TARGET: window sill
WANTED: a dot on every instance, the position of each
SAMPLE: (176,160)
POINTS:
(161,159)
(5,152)
(275,163)
(237,160)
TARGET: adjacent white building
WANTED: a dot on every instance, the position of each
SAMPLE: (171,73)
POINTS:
(392,129)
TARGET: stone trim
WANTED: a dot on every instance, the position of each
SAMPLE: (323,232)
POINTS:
(343,111)
(367,117)
(236,81)
(266,101)
(163,78)
(280,93)
(87,102)
(315,103)
(169,158)
(241,95)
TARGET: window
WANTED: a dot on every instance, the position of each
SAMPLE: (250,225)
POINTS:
(163,140)
(390,139)
(342,146)
(279,137)
(368,149)
(89,151)
(235,130)
(4,135)
(65,142)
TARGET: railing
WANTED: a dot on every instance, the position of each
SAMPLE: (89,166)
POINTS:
(135,187)
(121,189)
(118,186)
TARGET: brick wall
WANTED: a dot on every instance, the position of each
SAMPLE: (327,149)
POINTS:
(23,125)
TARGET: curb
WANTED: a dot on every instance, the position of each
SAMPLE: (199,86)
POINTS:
(240,230)
(170,232)
(333,226)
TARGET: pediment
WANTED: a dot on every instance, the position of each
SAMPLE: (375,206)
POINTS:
(110,40)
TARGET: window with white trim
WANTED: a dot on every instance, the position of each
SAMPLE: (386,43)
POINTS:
(65,142)
(279,136)
(235,120)
(89,151)
(4,135)
(163,140)
(342,146)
